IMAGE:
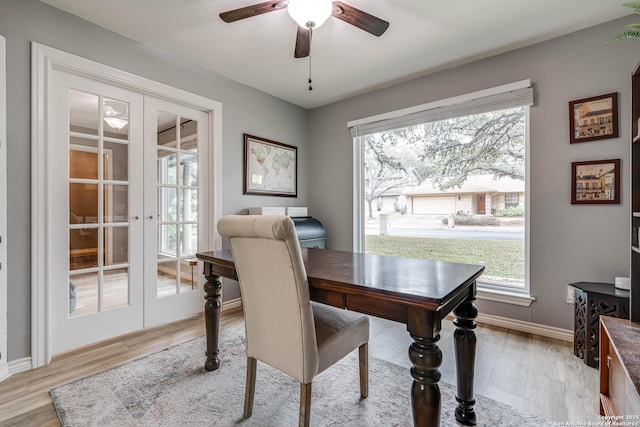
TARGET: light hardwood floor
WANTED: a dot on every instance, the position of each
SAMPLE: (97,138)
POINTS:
(530,373)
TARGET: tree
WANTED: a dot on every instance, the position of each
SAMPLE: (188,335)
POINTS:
(453,149)
(489,143)
(447,151)
(390,162)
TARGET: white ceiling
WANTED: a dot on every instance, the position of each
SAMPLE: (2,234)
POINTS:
(424,36)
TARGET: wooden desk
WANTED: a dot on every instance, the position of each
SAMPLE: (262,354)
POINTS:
(419,293)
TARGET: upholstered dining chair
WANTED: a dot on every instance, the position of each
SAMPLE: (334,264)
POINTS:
(284,328)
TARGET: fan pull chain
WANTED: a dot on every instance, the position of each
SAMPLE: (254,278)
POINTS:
(310,36)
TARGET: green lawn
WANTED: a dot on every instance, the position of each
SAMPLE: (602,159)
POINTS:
(503,259)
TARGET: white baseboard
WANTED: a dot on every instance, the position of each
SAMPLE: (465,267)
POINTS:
(230,305)
(20,365)
(522,326)
(4,372)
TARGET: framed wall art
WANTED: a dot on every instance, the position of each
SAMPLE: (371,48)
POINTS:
(270,168)
(594,118)
(595,182)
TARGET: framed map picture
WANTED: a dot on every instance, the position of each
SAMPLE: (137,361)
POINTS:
(270,168)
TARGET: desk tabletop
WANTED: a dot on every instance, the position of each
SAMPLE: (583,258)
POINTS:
(402,278)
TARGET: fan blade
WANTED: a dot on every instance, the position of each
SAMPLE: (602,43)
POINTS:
(303,42)
(253,10)
(360,19)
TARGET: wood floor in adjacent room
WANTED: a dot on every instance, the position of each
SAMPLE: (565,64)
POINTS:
(530,373)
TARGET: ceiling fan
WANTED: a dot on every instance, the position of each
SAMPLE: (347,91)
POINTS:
(310,14)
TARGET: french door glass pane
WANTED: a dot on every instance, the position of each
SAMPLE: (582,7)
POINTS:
(116,203)
(167,278)
(189,240)
(83,248)
(83,294)
(188,135)
(83,112)
(116,245)
(189,274)
(83,203)
(188,169)
(115,116)
(83,158)
(116,288)
(167,129)
(167,169)
(116,161)
(167,204)
(189,203)
(167,240)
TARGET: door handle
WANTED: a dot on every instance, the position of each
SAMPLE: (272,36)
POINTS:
(136,217)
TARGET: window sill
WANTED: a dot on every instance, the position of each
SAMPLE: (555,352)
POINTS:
(505,297)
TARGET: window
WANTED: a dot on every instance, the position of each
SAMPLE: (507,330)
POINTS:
(451,168)
(511,200)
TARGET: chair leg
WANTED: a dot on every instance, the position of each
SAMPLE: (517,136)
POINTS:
(363,351)
(250,387)
(305,405)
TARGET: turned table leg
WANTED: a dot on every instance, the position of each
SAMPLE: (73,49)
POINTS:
(212,289)
(426,358)
(465,351)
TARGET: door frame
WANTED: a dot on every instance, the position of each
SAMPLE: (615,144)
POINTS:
(44,60)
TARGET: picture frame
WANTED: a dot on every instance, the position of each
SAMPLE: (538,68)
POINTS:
(594,118)
(270,167)
(595,182)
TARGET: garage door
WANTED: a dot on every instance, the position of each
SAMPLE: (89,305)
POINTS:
(434,205)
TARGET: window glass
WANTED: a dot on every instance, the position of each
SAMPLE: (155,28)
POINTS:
(452,190)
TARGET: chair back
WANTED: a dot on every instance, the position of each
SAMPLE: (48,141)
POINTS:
(279,321)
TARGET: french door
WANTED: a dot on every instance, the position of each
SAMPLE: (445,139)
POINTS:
(126,187)
(174,197)
(96,191)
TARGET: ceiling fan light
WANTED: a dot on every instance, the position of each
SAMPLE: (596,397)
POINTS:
(310,13)
(116,122)
(115,113)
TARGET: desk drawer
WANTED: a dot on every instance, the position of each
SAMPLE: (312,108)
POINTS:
(379,308)
(335,299)
(361,304)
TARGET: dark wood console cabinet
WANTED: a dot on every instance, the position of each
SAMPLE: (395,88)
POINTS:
(592,300)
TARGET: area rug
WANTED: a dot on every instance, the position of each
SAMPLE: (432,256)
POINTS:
(172,388)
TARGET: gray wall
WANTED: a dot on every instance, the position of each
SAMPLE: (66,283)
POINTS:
(244,110)
(568,243)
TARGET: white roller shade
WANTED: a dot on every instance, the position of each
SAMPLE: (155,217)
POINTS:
(500,98)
